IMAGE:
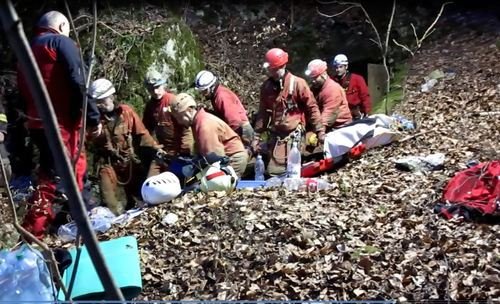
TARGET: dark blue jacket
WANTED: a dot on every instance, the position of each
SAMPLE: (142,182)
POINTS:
(58,59)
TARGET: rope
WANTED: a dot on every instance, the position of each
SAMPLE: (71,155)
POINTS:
(85,76)
(131,164)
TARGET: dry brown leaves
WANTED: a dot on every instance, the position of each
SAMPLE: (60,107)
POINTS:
(375,236)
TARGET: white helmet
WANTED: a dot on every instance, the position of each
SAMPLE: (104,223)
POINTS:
(154,78)
(161,188)
(101,88)
(340,59)
(216,179)
(204,80)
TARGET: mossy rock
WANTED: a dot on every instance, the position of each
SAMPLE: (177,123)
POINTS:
(124,56)
(171,50)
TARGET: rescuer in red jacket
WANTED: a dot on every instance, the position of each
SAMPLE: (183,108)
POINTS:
(287,106)
(226,104)
(355,88)
(58,59)
(330,96)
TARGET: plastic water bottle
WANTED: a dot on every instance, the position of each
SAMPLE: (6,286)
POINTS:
(259,168)
(24,277)
(307,184)
(294,162)
(274,181)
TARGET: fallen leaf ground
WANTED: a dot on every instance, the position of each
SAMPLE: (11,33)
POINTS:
(374,237)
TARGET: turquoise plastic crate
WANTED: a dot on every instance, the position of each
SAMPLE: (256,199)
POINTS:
(121,256)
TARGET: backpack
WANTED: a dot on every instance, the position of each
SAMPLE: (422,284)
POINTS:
(473,192)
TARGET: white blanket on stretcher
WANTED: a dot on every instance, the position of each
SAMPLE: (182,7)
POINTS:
(376,131)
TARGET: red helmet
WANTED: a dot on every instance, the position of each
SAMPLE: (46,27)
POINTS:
(315,68)
(276,58)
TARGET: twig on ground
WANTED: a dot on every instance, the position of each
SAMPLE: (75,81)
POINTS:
(493,113)
(416,135)
(111,29)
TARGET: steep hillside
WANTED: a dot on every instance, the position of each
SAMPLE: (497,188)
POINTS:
(375,236)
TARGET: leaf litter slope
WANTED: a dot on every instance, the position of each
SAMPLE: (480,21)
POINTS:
(374,236)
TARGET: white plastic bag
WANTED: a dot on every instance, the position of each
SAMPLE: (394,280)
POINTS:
(421,163)
(101,219)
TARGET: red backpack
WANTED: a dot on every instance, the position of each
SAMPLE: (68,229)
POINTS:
(474,191)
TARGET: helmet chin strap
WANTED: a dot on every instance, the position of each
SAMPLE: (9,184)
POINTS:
(281,72)
(211,90)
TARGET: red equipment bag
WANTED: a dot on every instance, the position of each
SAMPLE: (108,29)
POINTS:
(475,190)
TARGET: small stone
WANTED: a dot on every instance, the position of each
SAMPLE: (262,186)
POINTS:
(170,219)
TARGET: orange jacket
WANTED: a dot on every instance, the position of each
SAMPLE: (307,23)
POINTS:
(123,134)
(229,107)
(212,134)
(284,105)
(356,91)
(158,119)
(332,104)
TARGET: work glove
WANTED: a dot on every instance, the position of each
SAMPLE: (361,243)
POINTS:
(311,139)
(255,145)
(162,154)
(247,133)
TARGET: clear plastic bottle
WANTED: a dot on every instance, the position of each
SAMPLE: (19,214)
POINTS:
(260,168)
(24,277)
(294,162)
(274,181)
(307,184)
(292,184)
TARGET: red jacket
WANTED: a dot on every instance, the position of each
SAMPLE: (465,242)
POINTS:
(212,134)
(58,59)
(158,119)
(356,91)
(332,104)
(228,107)
(284,107)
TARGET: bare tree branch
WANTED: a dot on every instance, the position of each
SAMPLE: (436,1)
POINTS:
(379,40)
(384,58)
(334,15)
(414,32)
(374,41)
(427,33)
(389,25)
(383,47)
(403,46)
(326,2)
